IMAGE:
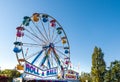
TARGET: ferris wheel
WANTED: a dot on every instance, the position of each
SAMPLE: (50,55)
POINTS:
(41,41)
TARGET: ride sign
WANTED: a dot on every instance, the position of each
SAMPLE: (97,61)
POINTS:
(33,70)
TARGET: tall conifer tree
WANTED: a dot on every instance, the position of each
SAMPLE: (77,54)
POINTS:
(98,65)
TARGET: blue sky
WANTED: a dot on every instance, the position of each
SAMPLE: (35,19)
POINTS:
(87,23)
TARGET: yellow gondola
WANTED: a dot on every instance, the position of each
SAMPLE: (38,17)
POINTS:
(64,41)
(35,17)
(20,67)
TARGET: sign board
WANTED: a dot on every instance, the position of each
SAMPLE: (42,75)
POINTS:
(72,75)
(33,70)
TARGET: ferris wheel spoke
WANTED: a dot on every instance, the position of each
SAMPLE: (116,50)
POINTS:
(30,56)
(57,57)
(32,39)
(60,56)
(39,31)
(18,58)
(48,61)
(55,38)
(49,32)
(60,52)
(47,52)
(43,60)
(57,42)
(62,47)
(44,30)
(31,45)
(33,31)
(22,52)
(53,57)
(35,36)
(37,57)
(53,32)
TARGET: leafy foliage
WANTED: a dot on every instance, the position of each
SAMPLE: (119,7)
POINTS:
(85,77)
(10,74)
(113,72)
(98,65)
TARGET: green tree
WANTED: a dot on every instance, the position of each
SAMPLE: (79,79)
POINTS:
(113,73)
(107,77)
(10,74)
(98,65)
(85,76)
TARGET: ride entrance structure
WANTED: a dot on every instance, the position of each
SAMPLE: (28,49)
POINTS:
(42,49)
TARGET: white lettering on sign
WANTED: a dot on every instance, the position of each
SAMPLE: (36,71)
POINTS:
(33,70)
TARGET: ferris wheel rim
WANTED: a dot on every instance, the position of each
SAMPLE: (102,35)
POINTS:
(58,25)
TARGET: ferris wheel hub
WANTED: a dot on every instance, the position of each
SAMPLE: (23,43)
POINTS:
(51,45)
